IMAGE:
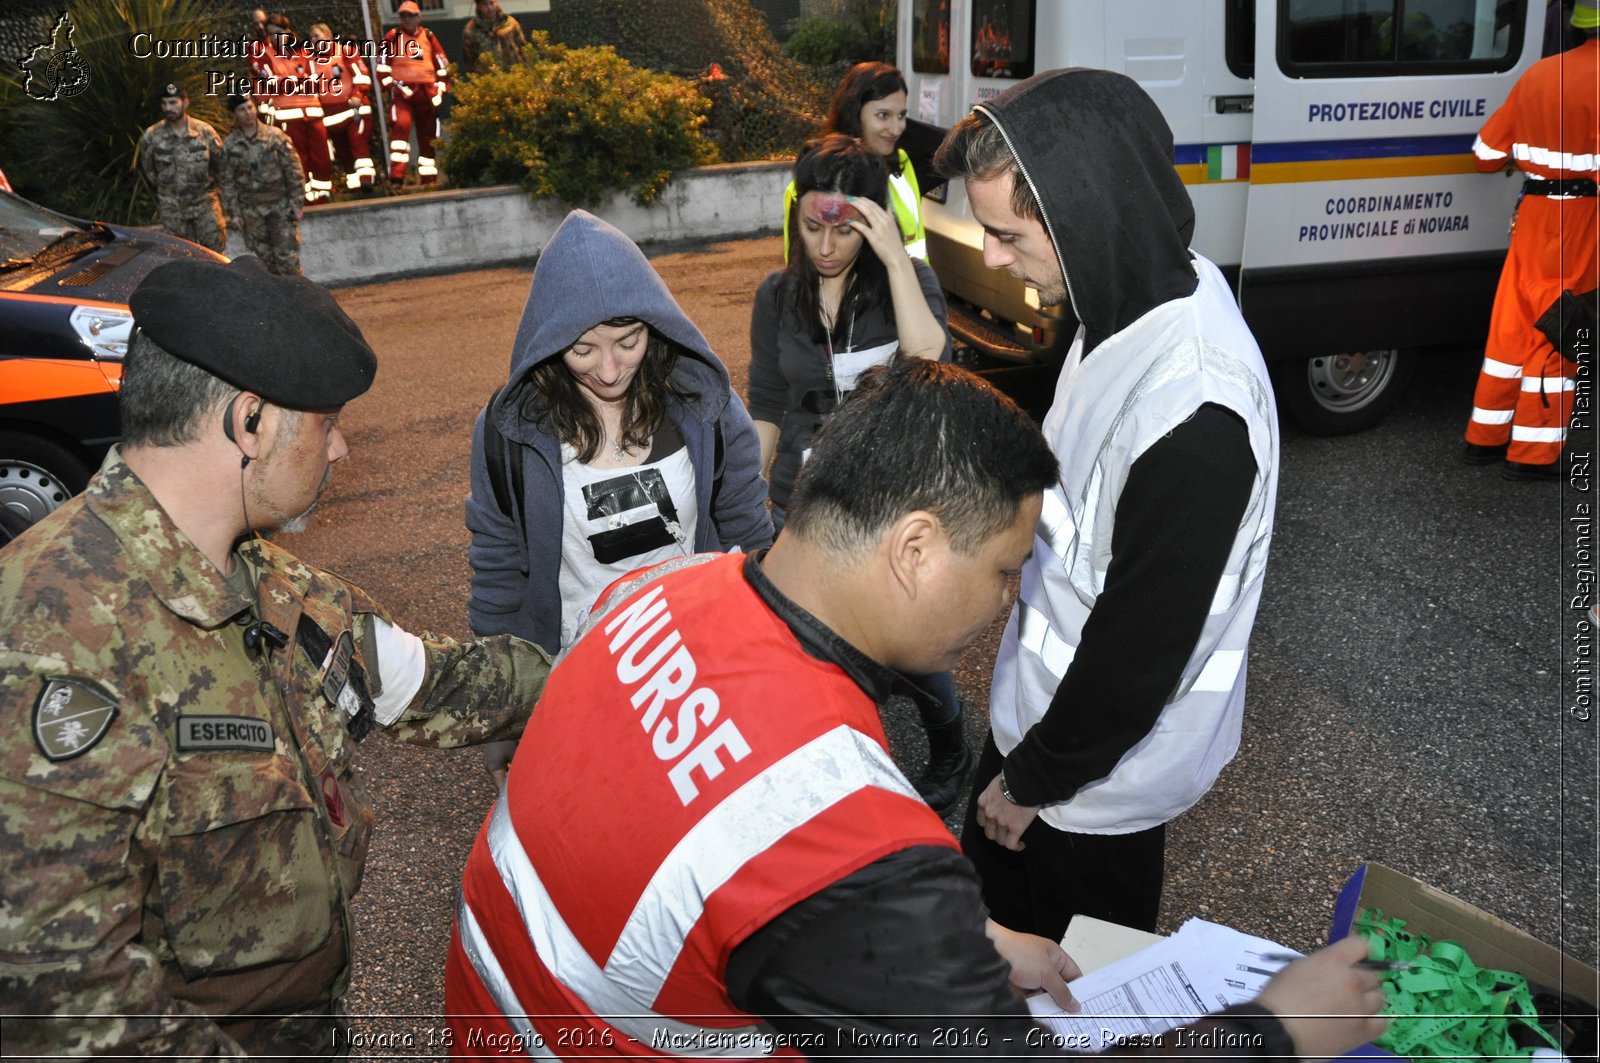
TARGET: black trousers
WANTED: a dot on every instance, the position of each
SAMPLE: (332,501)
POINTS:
(1059,874)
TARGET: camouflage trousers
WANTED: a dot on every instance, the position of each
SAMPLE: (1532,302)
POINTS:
(273,235)
(200,221)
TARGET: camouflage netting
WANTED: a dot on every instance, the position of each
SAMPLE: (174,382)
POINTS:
(764,105)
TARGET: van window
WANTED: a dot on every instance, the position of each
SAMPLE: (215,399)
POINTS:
(1239,37)
(1384,38)
(930,45)
(1002,38)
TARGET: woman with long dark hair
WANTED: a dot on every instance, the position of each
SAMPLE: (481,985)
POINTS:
(616,443)
(849,299)
(870,106)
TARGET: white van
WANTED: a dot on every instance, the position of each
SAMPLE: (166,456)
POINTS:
(1328,156)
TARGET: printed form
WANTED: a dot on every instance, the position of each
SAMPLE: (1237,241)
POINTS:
(1202,968)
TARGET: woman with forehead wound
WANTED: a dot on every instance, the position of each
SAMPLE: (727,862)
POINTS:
(850,298)
(616,443)
(870,106)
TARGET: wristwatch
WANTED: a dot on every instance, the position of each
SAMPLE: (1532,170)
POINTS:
(1005,791)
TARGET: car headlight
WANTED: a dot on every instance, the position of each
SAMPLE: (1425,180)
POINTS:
(104,330)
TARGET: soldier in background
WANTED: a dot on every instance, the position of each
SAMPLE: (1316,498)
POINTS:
(491,34)
(262,184)
(180,699)
(181,157)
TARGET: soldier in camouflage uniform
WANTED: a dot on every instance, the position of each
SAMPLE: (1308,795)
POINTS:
(263,188)
(491,33)
(181,157)
(179,703)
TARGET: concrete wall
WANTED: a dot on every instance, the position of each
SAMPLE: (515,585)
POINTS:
(438,232)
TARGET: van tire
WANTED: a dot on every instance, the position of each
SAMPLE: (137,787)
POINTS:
(1336,394)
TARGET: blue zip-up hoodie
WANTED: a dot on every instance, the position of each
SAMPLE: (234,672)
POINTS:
(589,273)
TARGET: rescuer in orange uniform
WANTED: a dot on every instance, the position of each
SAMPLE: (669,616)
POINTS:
(346,92)
(288,97)
(1549,128)
(416,75)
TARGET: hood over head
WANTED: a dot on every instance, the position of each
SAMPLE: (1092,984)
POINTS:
(589,273)
(1098,155)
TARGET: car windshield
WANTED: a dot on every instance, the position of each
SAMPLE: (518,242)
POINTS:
(26,230)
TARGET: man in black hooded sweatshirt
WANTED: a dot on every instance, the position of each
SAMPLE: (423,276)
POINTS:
(1118,692)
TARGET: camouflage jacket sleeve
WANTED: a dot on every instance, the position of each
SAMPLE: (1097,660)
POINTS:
(228,182)
(426,690)
(76,867)
(460,693)
(214,155)
(147,167)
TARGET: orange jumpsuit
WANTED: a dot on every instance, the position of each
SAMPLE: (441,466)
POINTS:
(296,111)
(1549,127)
(416,75)
(346,107)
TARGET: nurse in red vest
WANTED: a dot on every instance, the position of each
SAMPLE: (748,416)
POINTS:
(704,849)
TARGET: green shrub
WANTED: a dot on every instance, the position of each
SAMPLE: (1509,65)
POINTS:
(826,42)
(575,123)
(764,104)
(856,31)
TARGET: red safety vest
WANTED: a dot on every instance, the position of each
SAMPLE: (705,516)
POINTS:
(289,73)
(415,60)
(344,77)
(690,773)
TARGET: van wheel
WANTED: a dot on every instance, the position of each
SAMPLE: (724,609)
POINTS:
(37,475)
(1335,394)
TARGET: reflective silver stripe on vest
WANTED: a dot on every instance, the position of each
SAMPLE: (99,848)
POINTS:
(1036,636)
(749,821)
(493,977)
(1485,152)
(1055,524)
(1057,530)
(1554,158)
(560,951)
(1220,672)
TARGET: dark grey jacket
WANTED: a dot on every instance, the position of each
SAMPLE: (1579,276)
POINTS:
(591,272)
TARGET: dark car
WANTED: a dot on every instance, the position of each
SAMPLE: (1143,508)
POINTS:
(64,329)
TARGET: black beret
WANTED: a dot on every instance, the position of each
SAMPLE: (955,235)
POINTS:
(234,100)
(283,338)
(172,89)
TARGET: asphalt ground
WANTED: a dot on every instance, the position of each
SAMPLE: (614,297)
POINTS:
(1411,695)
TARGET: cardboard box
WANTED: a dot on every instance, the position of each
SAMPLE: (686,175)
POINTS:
(1489,941)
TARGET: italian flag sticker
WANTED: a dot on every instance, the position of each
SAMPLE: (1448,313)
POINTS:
(1228,162)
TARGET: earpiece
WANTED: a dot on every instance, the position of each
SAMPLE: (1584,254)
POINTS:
(252,421)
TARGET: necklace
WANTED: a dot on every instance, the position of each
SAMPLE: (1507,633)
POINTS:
(616,449)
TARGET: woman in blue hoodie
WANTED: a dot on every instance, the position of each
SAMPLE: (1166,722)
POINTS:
(616,443)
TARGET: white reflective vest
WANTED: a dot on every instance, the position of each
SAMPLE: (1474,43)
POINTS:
(1109,409)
